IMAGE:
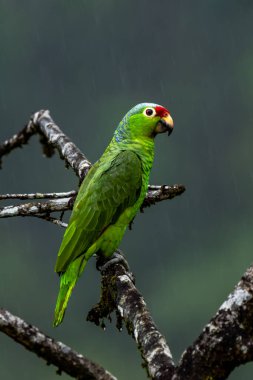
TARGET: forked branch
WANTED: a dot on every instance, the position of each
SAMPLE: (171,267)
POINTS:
(226,342)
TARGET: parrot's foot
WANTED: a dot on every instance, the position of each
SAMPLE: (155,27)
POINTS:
(117,257)
(114,271)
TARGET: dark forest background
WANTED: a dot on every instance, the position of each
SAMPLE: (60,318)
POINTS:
(89,62)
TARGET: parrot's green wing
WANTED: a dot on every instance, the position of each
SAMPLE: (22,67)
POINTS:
(109,188)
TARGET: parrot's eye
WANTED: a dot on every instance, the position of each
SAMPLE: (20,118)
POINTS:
(149,112)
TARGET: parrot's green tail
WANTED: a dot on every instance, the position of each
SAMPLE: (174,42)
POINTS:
(62,300)
(67,283)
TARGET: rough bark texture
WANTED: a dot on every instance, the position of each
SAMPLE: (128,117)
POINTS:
(64,201)
(226,342)
(119,293)
(54,137)
(17,140)
(53,352)
(35,208)
(66,194)
(157,194)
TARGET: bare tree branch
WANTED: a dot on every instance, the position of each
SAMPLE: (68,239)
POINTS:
(157,193)
(120,294)
(54,137)
(62,204)
(225,343)
(35,208)
(227,340)
(56,353)
(17,140)
(66,194)
(51,137)
(53,220)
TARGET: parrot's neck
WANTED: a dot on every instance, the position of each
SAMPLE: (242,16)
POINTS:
(125,139)
(143,147)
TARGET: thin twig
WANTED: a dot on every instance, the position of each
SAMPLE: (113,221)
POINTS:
(66,194)
(158,193)
(56,353)
(17,140)
(53,220)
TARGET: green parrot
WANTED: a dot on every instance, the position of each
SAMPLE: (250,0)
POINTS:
(110,196)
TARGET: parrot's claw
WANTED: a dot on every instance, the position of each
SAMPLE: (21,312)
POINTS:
(103,263)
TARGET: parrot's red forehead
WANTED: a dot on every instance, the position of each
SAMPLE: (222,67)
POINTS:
(161,111)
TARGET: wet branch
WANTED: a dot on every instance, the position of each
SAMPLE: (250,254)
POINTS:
(227,340)
(53,220)
(66,194)
(35,208)
(51,138)
(60,202)
(17,140)
(53,352)
(119,294)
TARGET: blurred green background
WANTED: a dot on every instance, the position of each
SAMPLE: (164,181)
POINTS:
(89,62)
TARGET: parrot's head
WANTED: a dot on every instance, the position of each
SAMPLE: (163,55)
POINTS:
(145,120)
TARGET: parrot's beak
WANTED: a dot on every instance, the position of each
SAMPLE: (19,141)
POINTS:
(165,124)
